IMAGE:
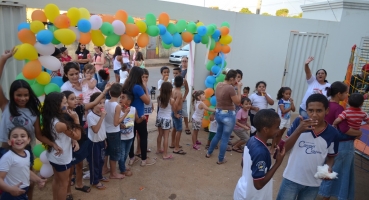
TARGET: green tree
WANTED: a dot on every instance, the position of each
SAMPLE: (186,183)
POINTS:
(214,7)
(282,12)
(266,14)
(246,11)
(297,16)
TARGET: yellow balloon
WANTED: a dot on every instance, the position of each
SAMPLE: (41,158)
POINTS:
(85,14)
(74,15)
(65,36)
(51,11)
(37,26)
(225,39)
(37,164)
(97,38)
(44,78)
(199,24)
(25,51)
(142,27)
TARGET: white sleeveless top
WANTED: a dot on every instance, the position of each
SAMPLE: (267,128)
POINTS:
(117,64)
(63,141)
(199,113)
(165,113)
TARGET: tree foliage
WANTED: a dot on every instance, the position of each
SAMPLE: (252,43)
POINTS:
(266,14)
(282,12)
(214,7)
(246,11)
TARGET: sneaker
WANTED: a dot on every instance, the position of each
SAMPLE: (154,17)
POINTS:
(148,161)
(132,161)
(196,147)
(86,172)
(86,176)
(198,142)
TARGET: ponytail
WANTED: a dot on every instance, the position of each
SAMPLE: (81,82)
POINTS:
(335,88)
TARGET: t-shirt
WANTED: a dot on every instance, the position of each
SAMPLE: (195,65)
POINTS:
(100,59)
(67,86)
(286,105)
(258,101)
(92,120)
(83,54)
(109,118)
(314,87)
(223,94)
(309,152)
(241,116)
(125,55)
(64,142)
(25,119)
(17,168)
(148,107)
(354,117)
(123,76)
(260,157)
(161,81)
(184,73)
(213,127)
(128,132)
(137,102)
(334,110)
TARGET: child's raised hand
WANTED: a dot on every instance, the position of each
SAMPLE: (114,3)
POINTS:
(16,190)
(72,114)
(280,154)
(103,112)
(291,100)
(306,124)
(9,53)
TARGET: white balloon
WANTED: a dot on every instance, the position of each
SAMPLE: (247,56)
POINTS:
(96,22)
(46,171)
(76,31)
(43,158)
(50,62)
(44,49)
(119,27)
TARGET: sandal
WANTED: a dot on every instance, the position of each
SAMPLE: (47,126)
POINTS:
(196,147)
(69,197)
(198,142)
(238,150)
(229,148)
(188,132)
(180,152)
(169,157)
(224,161)
(84,189)
(207,155)
(138,155)
(172,147)
(104,179)
(100,186)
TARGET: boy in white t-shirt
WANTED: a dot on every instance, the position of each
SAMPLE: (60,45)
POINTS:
(213,126)
(97,135)
(313,142)
(164,71)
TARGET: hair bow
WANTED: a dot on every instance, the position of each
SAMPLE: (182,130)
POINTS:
(106,70)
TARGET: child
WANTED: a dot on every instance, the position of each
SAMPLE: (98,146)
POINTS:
(241,127)
(197,98)
(163,119)
(257,171)
(238,79)
(285,106)
(176,115)
(165,73)
(123,73)
(112,121)
(97,135)
(88,83)
(354,115)
(313,142)
(139,61)
(59,130)
(246,91)
(213,126)
(15,173)
(105,76)
(259,100)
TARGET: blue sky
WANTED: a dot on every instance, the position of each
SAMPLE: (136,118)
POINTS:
(269,6)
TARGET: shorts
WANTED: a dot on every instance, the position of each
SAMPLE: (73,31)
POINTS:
(116,71)
(163,123)
(60,168)
(285,123)
(177,122)
(184,109)
(242,134)
(8,196)
(82,153)
(113,149)
(211,135)
(129,66)
(196,125)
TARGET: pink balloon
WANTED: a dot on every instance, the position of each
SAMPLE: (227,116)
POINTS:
(96,22)
(119,27)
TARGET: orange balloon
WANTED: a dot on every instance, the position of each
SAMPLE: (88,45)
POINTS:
(107,18)
(208,92)
(32,69)
(217,48)
(27,36)
(224,30)
(121,15)
(38,15)
(187,37)
(132,30)
(164,19)
(205,123)
(206,113)
(207,102)
(143,40)
(127,41)
(62,21)
(85,38)
(226,49)
(212,55)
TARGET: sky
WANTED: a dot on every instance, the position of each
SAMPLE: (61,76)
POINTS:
(269,6)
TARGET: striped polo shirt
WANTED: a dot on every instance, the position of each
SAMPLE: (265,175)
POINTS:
(354,117)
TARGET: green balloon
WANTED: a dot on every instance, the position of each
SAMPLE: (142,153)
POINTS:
(205,39)
(181,25)
(21,77)
(52,28)
(150,19)
(191,27)
(51,87)
(225,64)
(130,20)
(153,30)
(26,61)
(206,117)
(220,78)
(166,46)
(38,89)
(55,41)
(212,107)
(112,40)
(107,29)
(210,30)
(209,65)
(212,44)
(172,28)
(38,149)
(225,24)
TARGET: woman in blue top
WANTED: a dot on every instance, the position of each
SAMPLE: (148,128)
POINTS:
(138,87)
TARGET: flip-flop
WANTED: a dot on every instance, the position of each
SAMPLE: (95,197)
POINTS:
(84,189)
(188,131)
(180,152)
(169,157)
(104,179)
(224,161)
(207,155)
(69,197)
(229,148)
(138,155)
(100,187)
(172,147)
(237,150)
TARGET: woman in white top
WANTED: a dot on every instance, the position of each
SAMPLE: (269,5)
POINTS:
(117,63)
(71,79)
(259,100)
(57,129)
(316,84)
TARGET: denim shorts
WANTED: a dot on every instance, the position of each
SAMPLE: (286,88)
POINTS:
(184,109)
(82,153)
(60,168)
(177,122)
(116,71)
(290,190)
(113,149)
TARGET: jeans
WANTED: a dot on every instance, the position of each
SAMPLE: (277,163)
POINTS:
(141,128)
(98,78)
(293,191)
(226,121)
(113,149)
(125,146)
(303,113)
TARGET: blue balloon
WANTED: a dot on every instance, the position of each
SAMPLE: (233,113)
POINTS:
(213,101)
(45,36)
(57,80)
(216,35)
(208,85)
(215,69)
(177,40)
(84,25)
(197,38)
(210,79)
(217,60)
(167,38)
(24,25)
(162,29)
(201,30)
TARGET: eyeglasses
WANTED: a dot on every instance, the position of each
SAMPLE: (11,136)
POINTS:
(184,61)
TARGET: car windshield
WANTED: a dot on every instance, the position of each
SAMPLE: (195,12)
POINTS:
(185,48)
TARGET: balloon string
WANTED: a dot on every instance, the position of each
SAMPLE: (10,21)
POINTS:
(207,52)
